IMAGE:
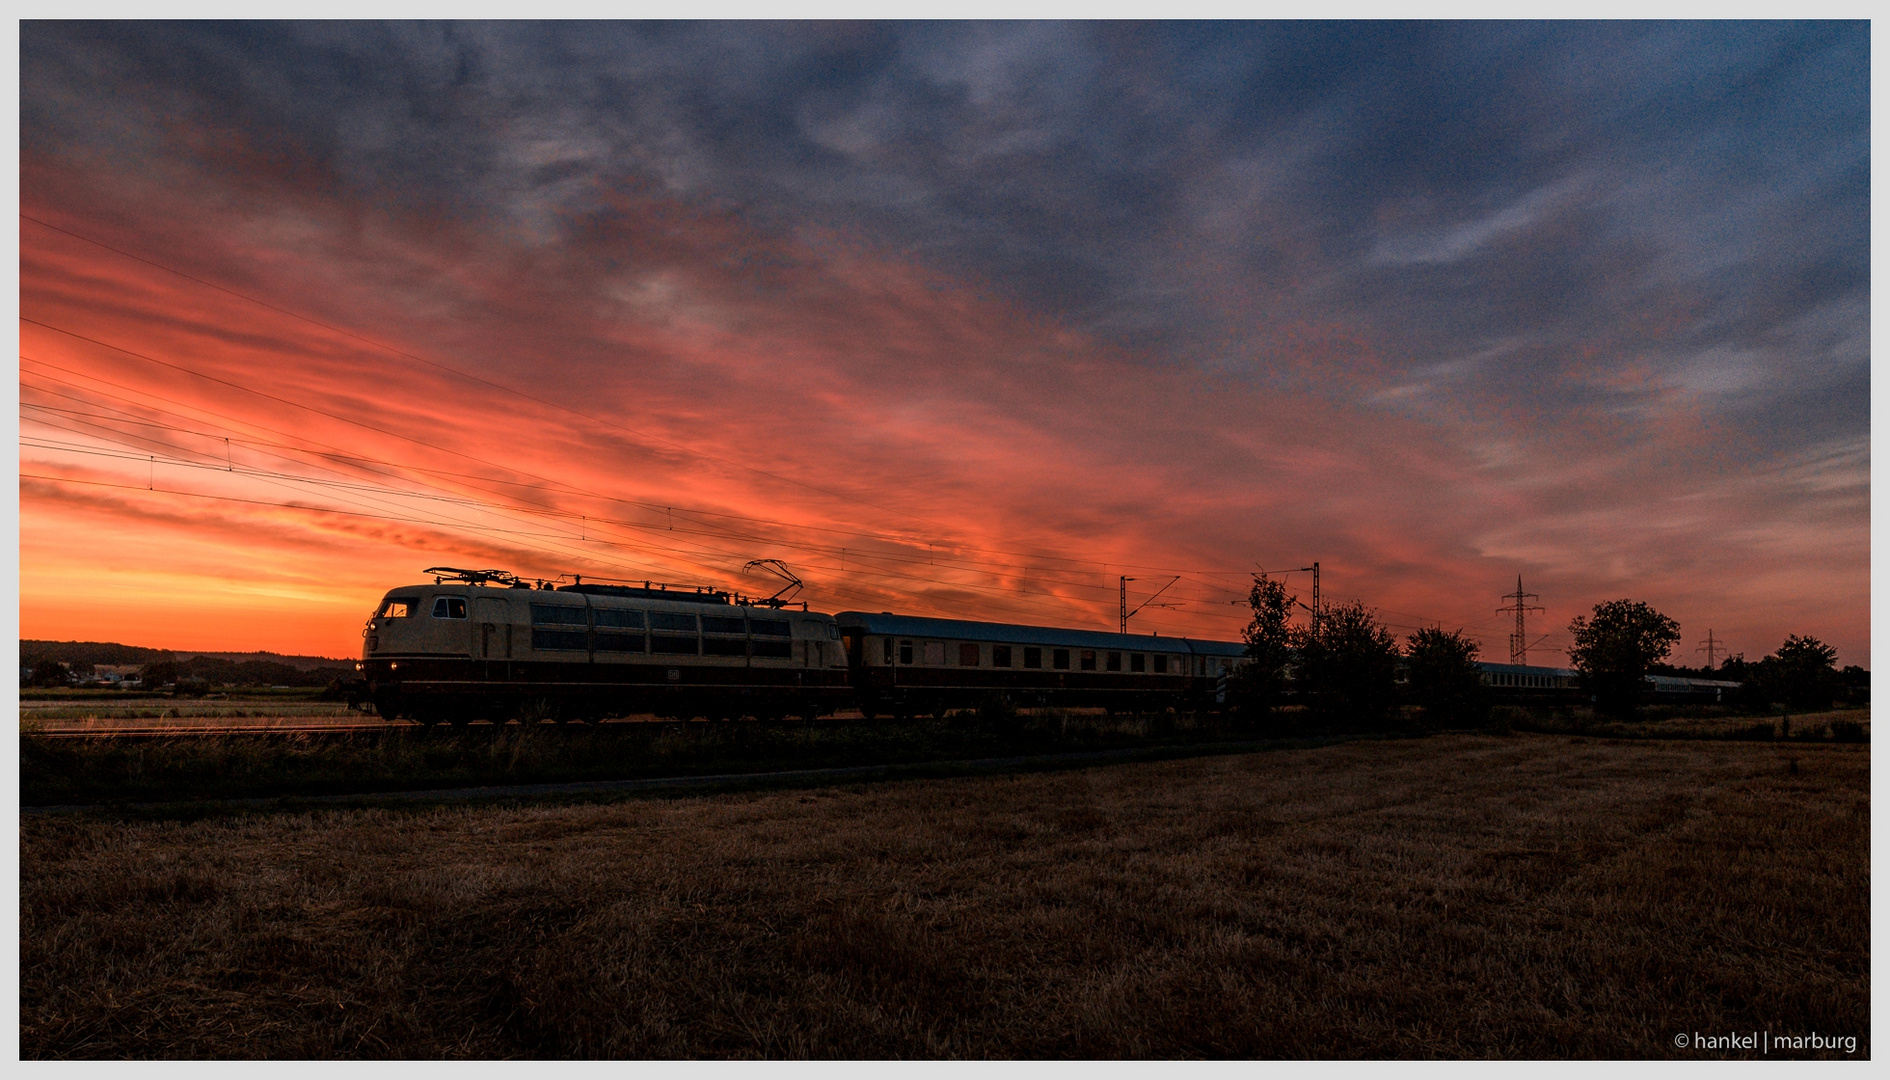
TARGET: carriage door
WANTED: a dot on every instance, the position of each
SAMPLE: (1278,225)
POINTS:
(493,640)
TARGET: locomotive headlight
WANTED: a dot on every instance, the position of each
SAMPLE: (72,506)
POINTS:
(357,667)
(391,667)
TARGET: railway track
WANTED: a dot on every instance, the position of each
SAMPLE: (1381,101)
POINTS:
(123,730)
(119,729)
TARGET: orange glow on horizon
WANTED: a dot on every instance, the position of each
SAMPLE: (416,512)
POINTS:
(904,442)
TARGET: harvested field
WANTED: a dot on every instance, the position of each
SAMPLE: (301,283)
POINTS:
(1460,896)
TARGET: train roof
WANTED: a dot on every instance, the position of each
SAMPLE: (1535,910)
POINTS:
(1524,669)
(917,626)
(1674,681)
(1669,682)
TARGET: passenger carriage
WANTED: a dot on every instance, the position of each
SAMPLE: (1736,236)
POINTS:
(903,664)
(1526,683)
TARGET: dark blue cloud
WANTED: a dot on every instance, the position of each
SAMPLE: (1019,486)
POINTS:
(1501,212)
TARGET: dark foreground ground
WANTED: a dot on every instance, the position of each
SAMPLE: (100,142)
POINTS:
(1529,896)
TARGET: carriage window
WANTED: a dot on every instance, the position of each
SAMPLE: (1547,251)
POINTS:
(721,624)
(1161,664)
(632,620)
(1114,662)
(1033,656)
(1137,662)
(399,608)
(905,652)
(770,627)
(778,648)
(967,655)
(889,652)
(449,607)
(554,615)
(672,620)
(1089,660)
(1060,659)
(1000,656)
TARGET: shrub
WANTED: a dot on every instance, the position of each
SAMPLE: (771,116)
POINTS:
(1848,731)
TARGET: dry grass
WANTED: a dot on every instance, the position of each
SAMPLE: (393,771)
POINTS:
(1457,896)
(178,768)
(1706,722)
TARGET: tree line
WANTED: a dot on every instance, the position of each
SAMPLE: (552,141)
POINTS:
(1349,672)
(204,671)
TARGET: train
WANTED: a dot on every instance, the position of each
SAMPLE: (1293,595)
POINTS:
(1531,684)
(487,644)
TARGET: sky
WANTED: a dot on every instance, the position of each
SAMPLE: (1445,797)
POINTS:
(967,319)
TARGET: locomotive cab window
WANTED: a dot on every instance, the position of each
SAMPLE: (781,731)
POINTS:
(400,607)
(449,607)
(1000,656)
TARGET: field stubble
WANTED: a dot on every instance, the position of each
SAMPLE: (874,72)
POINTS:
(1456,896)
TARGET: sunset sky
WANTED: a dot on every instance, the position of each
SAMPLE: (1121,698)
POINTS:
(962,320)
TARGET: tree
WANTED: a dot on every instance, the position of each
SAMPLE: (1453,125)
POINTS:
(50,673)
(1856,683)
(1614,648)
(1348,669)
(1442,678)
(1259,685)
(159,673)
(1802,673)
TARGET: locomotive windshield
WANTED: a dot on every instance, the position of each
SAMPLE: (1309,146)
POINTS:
(399,607)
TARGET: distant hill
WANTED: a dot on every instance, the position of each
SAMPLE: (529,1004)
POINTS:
(110,652)
(303,663)
(89,652)
(160,666)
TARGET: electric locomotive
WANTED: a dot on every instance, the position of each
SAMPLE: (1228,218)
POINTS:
(483,643)
(487,644)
